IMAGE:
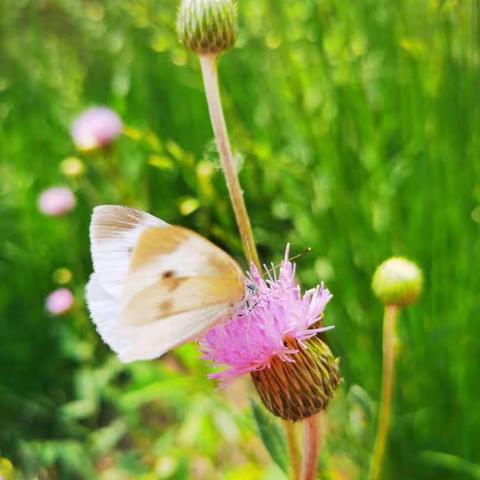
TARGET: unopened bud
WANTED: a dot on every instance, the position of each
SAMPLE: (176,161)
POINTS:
(299,389)
(208,27)
(397,281)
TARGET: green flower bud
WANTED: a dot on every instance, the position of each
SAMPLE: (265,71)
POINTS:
(397,281)
(207,26)
(297,390)
(72,167)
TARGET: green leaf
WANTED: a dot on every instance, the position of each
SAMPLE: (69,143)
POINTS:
(452,463)
(271,435)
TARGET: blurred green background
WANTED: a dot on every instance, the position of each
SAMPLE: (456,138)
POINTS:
(357,131)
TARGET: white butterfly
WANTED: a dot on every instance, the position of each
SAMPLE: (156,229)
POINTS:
(156,286)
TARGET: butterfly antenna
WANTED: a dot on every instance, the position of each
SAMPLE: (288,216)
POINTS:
(274,267)
(301,254)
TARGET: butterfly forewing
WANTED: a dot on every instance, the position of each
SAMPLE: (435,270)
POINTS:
(159,301)
(179,263)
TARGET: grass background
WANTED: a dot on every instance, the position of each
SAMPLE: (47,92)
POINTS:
(357,130)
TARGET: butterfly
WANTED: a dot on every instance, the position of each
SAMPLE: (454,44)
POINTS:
(156,286)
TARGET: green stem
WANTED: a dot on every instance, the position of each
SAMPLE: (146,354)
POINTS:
(311,447)
(210,79)
(209,68)
(292,449)
(389,340)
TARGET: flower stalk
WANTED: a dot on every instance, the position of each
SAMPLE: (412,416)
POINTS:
(397,283)
(294,454)
(209,68)
(389,342)
(311,447)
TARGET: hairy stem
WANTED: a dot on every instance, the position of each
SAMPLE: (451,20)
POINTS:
(389,339)
(210,79)
(292,449)
(311,447)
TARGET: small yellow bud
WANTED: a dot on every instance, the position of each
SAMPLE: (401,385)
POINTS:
(397,281)
(62,276)
(72,167)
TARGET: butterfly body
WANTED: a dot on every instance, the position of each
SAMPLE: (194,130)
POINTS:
(156,286)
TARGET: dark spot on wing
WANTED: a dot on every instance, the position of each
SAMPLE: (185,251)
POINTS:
(171,281)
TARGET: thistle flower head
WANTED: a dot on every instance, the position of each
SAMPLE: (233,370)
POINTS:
(274,337)
(96,128)
(59,302)
(207,26)
(397,281)
(56,201)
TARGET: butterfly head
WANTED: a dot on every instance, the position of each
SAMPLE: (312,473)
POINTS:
(252,289)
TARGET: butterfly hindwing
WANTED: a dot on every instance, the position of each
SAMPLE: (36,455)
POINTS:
(104,310)
(114,233)
(149,341)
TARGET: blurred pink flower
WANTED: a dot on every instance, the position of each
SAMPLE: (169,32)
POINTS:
(56,201)
(95,128)
(59,302)
(274,313)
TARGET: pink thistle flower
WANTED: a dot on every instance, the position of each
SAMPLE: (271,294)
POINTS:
(274,337)
(56,201)
(96,128)
(59,302)
(275,314)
